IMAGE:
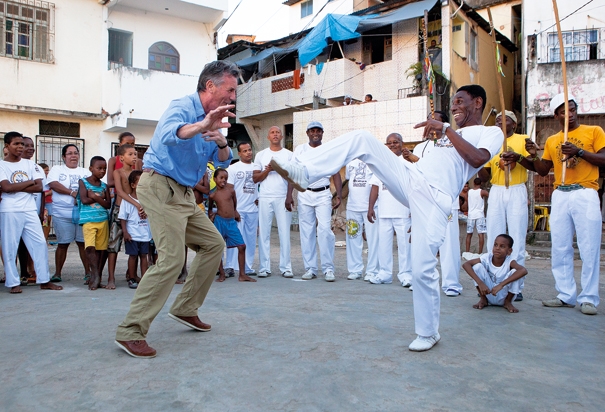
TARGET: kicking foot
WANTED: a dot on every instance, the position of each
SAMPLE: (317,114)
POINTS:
(245,278)
(481,304)
(221,278)
(509,306)
(16,289)
(110,286)
(50,286)
(293,172)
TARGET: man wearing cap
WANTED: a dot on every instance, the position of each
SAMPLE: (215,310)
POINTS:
(574,203)
(508,207)
(315,206)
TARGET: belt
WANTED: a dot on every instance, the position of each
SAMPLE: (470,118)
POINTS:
(569,188)
(318,189)
(154,172)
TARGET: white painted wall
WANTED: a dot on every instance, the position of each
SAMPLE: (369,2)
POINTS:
(333,7)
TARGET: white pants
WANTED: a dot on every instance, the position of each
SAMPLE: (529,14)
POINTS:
(315,223)
(449,254)
(508,208)
(26,225)
(248,227)
(356,221)
(267,208)
(576,211)
(430,209)
(498,300)
(386,228)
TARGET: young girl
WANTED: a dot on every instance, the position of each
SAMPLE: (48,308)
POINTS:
(19,180)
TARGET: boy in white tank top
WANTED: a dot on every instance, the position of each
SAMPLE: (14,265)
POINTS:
(476,215)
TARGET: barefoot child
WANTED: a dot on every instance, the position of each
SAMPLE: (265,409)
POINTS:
(19,180)
(128,159)
(496,275)
(136,232)
(94,200)
(224,221)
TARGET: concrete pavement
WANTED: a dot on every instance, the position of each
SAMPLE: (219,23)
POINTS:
(290,345)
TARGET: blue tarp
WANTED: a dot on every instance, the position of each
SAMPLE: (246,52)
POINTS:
(340,27)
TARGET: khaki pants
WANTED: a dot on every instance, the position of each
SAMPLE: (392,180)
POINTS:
(175,220)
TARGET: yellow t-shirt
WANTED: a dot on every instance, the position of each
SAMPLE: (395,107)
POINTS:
(579,171)
(518,175)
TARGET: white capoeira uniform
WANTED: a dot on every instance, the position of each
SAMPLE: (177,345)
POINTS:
(428,187)
(272,202)
(449,252)
(20,219)
(393,217)
(493,275)
(315,220)
(359,175)
(246,193)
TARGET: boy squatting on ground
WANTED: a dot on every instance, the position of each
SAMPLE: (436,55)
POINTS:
(135,230)
(19,180)
(496,275)
(94,201)
(224,221)
(128,157)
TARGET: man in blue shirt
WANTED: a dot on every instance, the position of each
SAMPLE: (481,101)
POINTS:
(185,139)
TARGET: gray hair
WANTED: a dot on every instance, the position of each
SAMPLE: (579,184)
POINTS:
(215,71)
(396,136)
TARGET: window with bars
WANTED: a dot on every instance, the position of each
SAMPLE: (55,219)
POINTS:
(579,45)
(306,8)
(164,57)
(27,30)
(53,136)
(120,48)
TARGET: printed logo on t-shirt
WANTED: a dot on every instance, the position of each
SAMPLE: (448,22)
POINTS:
(359,175)
(574,161)
(62,177)
(444,141)
(74,182)
(19,176)
(249,185)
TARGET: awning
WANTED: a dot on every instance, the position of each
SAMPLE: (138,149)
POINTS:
(339,27)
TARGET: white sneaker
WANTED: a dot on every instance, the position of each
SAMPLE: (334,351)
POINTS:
(452,293)
(354,276)
(263,274)
(375,280)
(287,274)
(406,284)
(330,276)
(309,275)
(411,288)
(293,172)
(367,277)
(422,343)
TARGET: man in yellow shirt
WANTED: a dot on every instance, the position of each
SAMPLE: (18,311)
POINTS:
(508,207)
(574,203)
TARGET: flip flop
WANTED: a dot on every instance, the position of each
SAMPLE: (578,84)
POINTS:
(55,279)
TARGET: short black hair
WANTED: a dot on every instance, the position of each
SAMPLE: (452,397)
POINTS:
(122,149)
(370,96)
(477,181)
(8,138)
(475,91)
(43,165)
(133,176)
(508,238)
(240,144)
(97,159)
(123,135)
(563,105)
(67,146)
(444,117)
(218,170)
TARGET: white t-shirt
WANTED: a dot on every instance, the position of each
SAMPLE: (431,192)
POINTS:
(476,205)
(137,228)
(388,206)
(274,185)
(63,204)
(444,157)
(423,149)
(17,172)
(246,191)
(359,174)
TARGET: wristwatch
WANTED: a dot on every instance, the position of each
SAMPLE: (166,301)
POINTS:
(222,147)
(445,126)
(580,153)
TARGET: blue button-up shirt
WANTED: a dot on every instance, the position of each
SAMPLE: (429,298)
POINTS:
(184,160)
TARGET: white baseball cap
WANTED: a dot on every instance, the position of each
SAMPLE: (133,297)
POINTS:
(559,100)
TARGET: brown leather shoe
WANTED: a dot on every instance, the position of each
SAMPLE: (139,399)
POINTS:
(136,348)
(192,321)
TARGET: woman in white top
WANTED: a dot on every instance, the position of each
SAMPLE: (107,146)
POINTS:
(63,180)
